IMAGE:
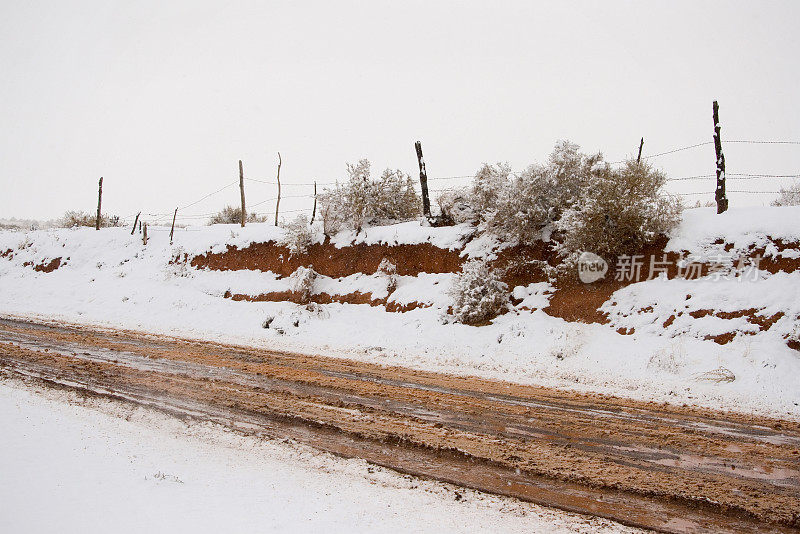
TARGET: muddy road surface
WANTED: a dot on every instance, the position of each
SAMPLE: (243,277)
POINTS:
(667,468)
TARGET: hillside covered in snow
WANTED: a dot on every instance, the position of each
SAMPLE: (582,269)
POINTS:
(708,317)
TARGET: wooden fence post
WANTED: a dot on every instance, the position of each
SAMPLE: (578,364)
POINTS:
(135,221)
(314,211)
(423,181)
(99,202)
(241,189)
(278,203)
(719,194)
(639,157)
(172,231)
(144,234)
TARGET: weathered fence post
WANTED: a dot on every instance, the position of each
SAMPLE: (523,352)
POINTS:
(719,195)
(314,211)
(423,181)
(144,234)
(639,157)
(278,203)
(135,221)
(99,202)
(172,231)
(241,189)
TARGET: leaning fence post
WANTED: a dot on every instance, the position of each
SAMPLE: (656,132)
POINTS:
(639,157)
(719,194)
(241,189)
(99,202)
(172,231)
(135,221)
(423,181)
(278,203)
(314,211)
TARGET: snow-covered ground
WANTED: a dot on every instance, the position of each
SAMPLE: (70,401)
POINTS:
(111,279)
(71,464)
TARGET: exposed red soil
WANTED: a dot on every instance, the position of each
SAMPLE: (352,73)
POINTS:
(48,267)
(334,262)
(521,265)
(752,316)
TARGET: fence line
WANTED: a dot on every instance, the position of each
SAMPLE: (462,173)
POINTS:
(730,176)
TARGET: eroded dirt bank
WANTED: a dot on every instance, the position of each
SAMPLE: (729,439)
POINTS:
(673,469)
(521,265)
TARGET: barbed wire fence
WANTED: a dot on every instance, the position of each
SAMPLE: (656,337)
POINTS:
(158,219)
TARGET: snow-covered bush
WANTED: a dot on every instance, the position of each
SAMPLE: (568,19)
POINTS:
(301,282)
(669,360)
(455,205)
(298,235)
(566,342)
(231,215)
(578,200)
(478,293)
(522,208)
(718,375)
(331,210)
(81,218)
(388,270)
(356,194)
(489,181)
(620,212)
(789,196)
(394,198)
(362,200)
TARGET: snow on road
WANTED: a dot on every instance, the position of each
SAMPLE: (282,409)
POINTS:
(71,464)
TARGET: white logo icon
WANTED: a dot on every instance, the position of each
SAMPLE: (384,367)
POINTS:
(591,267)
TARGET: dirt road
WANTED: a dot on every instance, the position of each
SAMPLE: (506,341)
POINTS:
(666,468)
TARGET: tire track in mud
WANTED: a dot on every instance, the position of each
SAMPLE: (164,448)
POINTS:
(667,468)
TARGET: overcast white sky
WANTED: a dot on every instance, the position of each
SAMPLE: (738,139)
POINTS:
(163,98)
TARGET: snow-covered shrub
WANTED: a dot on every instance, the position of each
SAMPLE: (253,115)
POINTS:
(566,342)
(291,322)
(576,199)
(362,200)
(356,194)
(522,208)
(620,212)
(669,359)
(523,212)
(298,235)
(388,270)
(718,375)
(455,205)
(478,293)
(301,282)
(394,198)
(489,181)
(789,196)
(331,210)
(231,215)
(72,219)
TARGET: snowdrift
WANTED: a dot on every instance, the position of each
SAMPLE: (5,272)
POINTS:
(723,338)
